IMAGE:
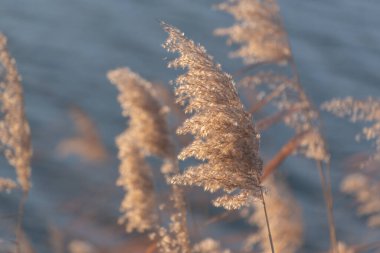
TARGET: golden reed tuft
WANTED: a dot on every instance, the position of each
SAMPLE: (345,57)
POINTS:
(139,203)
(148,134)
(262,39)
(14,128)
(147,123)
(225,138)
(257,29)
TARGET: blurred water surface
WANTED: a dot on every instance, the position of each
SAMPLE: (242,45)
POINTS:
(64,49)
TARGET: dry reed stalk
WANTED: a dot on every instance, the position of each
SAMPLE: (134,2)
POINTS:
(224,135)
(148,131)
(284,214)
(257,29)
(87,142)
(284,152)
(225,138)
(14,128)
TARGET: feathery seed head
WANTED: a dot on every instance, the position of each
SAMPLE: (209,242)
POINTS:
(14,128)
(225,138)
(147,124)
(257,31)
(138,205)
(368,111)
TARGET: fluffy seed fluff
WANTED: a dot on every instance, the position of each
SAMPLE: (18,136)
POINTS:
(262,39)
(225,138)
(139,203)
(363,185)
(284,214)
(367,111)
(15,138)
(147,123)
(257,30)
(146,134)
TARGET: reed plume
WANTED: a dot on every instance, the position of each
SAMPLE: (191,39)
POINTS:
(365,184)
(147,124)
(284,214)
(139,203)
(225,138)
(258,22)
(148,133)
(367,111)
(15,138)
(257,29)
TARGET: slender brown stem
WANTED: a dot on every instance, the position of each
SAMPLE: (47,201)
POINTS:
(285,151)
(326,187)
(267,221)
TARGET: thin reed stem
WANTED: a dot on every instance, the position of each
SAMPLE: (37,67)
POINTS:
(329,204)
(267,221)
(325,185)
(285,151)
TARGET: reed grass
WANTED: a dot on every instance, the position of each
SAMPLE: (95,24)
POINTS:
(224,146)
(15,138)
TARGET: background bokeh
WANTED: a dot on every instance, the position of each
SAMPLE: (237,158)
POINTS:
(64,49)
